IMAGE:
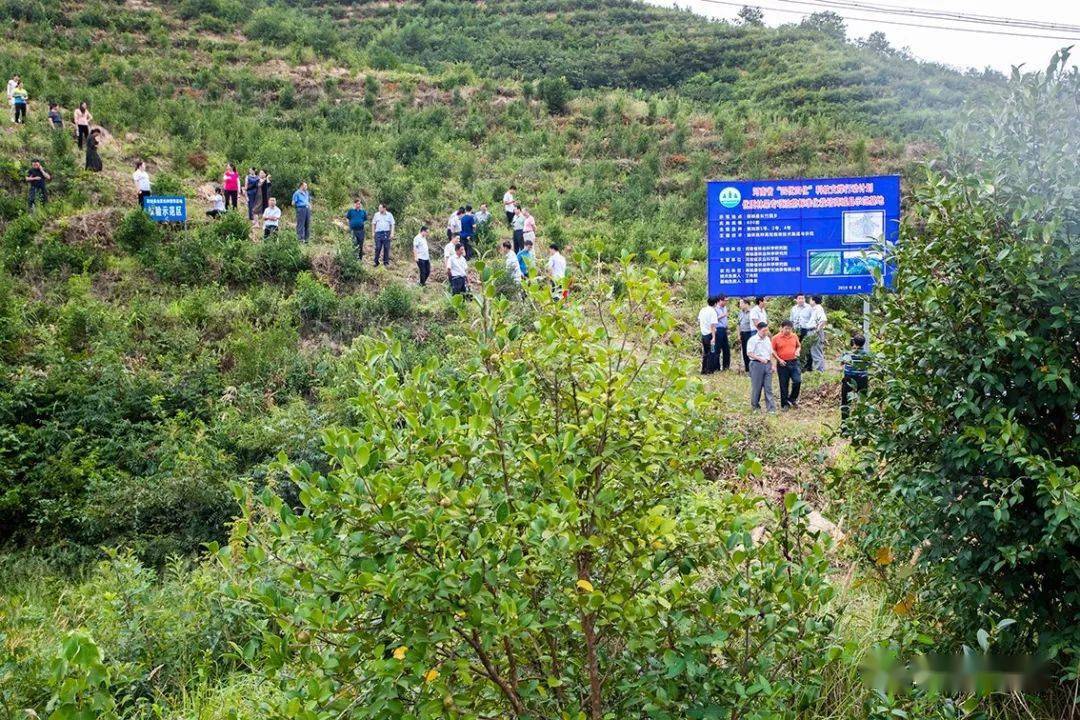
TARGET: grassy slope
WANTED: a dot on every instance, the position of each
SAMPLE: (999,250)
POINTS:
(196,333)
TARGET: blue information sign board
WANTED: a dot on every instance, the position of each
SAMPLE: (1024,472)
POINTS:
(166,208)
(820,236)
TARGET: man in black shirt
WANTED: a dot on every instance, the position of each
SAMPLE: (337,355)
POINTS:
(36,177)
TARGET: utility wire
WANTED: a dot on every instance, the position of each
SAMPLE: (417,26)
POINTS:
(938,15)
(896,22)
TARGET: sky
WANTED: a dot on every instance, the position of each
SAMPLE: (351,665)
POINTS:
(958,49)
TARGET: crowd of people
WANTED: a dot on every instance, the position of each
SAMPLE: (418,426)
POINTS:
(797,347)
(87,138)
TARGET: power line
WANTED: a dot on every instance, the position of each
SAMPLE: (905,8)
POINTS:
(894,22)
(939,15)
(966,16)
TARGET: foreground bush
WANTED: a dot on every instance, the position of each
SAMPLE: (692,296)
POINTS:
(521,534)
(971,442)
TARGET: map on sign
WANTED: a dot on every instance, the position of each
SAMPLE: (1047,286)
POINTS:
(166,208)
(822,236)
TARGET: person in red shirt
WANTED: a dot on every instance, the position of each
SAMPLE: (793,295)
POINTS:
(786,348)
(230,183)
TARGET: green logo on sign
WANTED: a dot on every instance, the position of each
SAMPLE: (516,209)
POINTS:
(730,197)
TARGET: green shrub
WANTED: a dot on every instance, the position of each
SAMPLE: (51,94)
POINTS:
(266,358)
(412,146)
(395,302)
(186,260)
(970,430)
(221,9)
(12,326)
(482,537)
(350,268)
(137,231)
(313,299)
(167,184)
(279,257)
(81,317)
(555,94)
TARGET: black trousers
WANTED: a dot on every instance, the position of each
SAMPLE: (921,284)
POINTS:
(230,198)
(252,198)
(382,246)
(424,266)
(458,285)
(519,240)
(358,241)
(143,194)
(744,337)
(269,230)
(509,217)
(790,382)
(466,242)
(37,194)
(82,132)
(850,384)
(20,113)
(723,348)
(706,355)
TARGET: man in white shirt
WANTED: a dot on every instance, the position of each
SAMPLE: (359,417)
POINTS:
(513,267)
(707,320)
(556,267)
(448,253)
(482,215)
(453,223)
(141,178)
(817,334)
(422,254)
(802,319)
(11,85)
(760,349)
(508,204)
(459,271)
(758,313)
(271,217)
(383,226)
(802,316)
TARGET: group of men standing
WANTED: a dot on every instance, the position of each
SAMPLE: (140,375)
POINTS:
(798,347)
(462,227)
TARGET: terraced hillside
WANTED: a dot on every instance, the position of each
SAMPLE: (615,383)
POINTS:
(153,378)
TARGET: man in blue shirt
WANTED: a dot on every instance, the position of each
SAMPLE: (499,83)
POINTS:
(357,217)
(468,231)
(301,200)
(525,258)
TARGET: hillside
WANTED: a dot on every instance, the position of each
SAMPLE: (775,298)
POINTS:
(153,378)
(232,333)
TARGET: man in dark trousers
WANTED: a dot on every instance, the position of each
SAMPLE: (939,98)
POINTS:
(707,325)
(856,362)
(36,177)
(786,348)
(468,231)
(422,254)
(459,271)
(357,217)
